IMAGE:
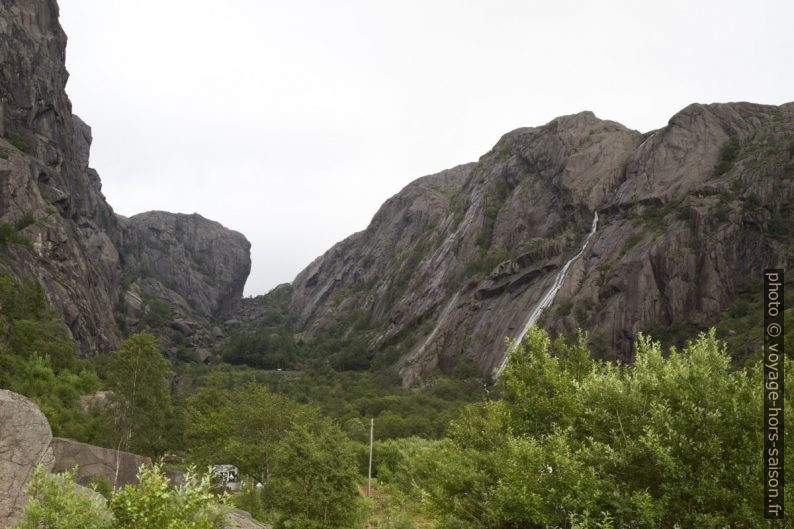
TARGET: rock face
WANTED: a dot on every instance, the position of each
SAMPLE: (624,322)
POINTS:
(66,236)
(193,263)
(96,461)
(44,173)
(25,437)
(454,263)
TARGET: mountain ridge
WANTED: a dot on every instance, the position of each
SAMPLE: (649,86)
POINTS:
(657,193)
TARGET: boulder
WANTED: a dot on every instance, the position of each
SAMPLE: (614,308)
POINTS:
(94,461)
(25,437)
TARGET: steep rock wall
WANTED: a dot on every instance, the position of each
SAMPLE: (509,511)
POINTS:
(454,263)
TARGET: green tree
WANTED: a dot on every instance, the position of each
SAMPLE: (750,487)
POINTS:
(539,381)
(314,479)
(139,377)
(238,426)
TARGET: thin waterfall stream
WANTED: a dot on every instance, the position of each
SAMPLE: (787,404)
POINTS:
(550,294)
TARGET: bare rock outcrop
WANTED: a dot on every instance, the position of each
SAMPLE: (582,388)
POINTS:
(116,466)
(25,437)
(455,262)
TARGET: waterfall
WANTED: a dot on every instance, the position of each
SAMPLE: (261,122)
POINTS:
(550,294)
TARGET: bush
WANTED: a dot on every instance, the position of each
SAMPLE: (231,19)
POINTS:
(314,480)
(672,440)
(37,360)
(55,502)
(154,504)
(157,313)
(729,153)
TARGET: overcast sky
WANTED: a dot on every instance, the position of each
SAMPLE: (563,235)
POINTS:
(293,121)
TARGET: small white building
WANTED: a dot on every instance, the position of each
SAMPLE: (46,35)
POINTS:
(227,475)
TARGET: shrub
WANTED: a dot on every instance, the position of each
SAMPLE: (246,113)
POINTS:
(729,153)
(154,504)
(671,440)
(55,502)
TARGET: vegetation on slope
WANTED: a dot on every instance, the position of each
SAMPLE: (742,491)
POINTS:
(563,440)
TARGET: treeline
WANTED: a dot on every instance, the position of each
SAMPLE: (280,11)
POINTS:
(353,397)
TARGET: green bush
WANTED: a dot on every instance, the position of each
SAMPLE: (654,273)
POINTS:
(55,502)
(154,504)
(10,235)
(157,313)
(672,440)
(314,478)
(729,153)
(37,359)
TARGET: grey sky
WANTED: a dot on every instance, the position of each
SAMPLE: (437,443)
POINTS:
(293,121)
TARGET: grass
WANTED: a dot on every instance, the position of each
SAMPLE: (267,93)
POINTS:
(631,242)
(730,151)
(18,141)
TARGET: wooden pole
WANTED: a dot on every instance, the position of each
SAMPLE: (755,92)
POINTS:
(369,476)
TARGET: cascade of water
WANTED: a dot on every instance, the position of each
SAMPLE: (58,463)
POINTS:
(550,294)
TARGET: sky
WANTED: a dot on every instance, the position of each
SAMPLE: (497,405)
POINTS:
(293,121)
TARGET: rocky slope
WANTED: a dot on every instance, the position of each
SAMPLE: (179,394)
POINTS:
(56,226)
(44,173)
(453,264)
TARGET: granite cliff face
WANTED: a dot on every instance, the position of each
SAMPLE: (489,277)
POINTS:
(454,263)
(195,264)
(44,173)
(56,226)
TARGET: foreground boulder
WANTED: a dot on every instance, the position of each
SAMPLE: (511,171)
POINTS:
(25,437)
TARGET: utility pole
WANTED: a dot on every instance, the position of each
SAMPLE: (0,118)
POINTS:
(369,476)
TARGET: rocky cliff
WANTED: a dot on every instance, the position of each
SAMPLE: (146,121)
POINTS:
(454,263)
(47,190)
(56,226)
(193,263)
